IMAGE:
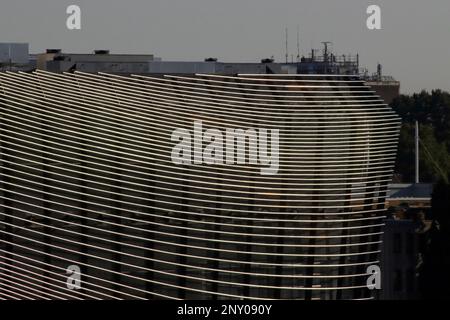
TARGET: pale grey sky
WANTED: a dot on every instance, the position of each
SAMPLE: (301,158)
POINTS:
(413,46)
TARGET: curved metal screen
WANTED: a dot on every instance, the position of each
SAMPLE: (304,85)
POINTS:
(88,178)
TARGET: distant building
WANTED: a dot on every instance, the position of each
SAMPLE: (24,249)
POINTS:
(414,194)
(404,231)
(14,56)
(400,254)
(388,88)
(55,60)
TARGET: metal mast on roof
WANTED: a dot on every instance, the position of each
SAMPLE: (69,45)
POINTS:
(325,50)
(298,43)
(417,151)
(287,53)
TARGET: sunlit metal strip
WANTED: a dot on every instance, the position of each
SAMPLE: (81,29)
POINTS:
(191,193)
(58,92)
(223,105)
(211,223)
(231,217)
(129,175)
(126,275)
(201,257)
(119,112)
(231,233)
(57,164)
(79,263)
(126,148)
(253,243)
(260,77)
(71,80)
(165,166)
(171,243)
(87,130)
(28,285)
(266,206)
(229,85)
(175,86)
(237,272)
(15,294)
(388,172)
(62,269)
(48,280)
(193,278)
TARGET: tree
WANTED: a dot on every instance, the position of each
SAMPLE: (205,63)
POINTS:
(434,274)
(433,113)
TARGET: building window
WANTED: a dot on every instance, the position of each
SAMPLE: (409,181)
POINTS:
(410,243)
(398,283)
(411,279)
(397,243)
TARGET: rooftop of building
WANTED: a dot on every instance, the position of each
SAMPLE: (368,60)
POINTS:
(408,191)
(323,61)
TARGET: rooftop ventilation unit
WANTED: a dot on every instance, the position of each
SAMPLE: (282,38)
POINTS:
(53,51)
(101,51)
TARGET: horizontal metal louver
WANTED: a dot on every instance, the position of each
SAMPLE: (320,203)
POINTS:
(87,179)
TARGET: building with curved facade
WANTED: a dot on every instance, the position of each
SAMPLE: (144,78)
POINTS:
(88,179)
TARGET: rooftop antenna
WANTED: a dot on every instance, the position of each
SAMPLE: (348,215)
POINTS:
(417,151)
(379,71)
(298,43)
(287,54)
(325,50)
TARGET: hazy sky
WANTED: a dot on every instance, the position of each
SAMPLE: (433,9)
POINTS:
(413,45)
